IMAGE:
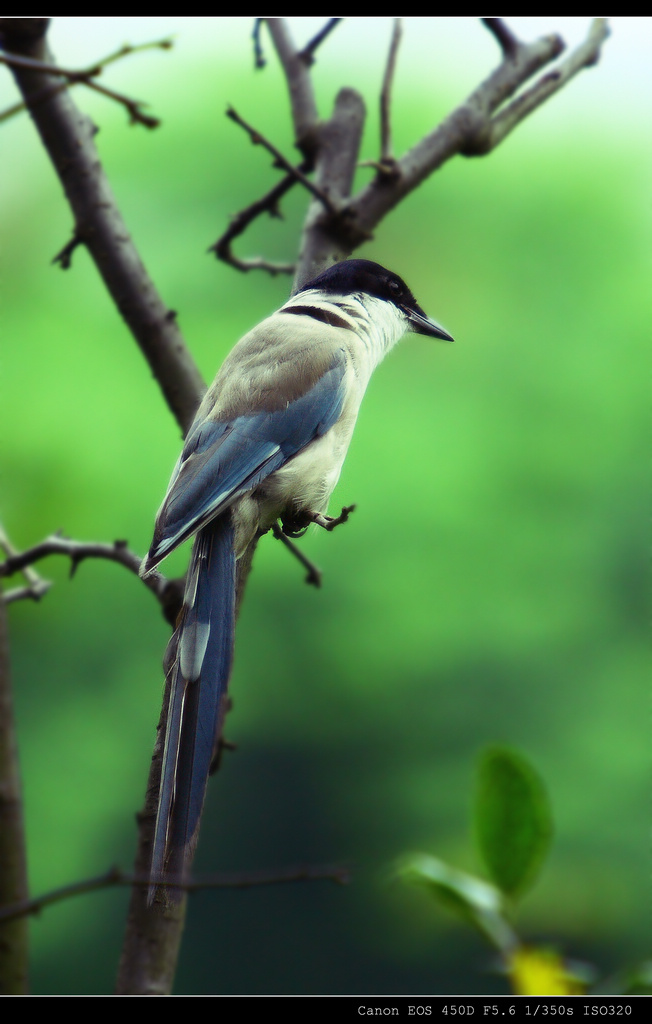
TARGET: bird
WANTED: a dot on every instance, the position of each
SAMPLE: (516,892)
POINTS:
(267,444)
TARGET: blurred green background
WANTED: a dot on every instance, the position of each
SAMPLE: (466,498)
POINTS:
(492,585)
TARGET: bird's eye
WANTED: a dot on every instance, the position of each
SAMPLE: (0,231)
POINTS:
(394,287)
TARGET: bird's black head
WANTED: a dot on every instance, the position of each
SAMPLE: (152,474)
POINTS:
(352,276)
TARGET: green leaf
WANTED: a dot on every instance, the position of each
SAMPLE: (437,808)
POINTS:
(513,819)
(466,896)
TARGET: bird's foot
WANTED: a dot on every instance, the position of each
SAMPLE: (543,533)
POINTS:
(330,522)
(296,526)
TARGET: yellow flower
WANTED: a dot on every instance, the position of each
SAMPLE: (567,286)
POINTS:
(541,972)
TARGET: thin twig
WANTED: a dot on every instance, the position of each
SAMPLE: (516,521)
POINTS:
(136,114)
(258,139)
(254,263)
(307,54)
(314,576)
(259,56)
(86,77)
(585,55)
(64,256)
(168,592)
(35,587)
(239,223)
(128,48)
(69,139)
(386,154)
(27,593)
(116,877)
(81,75)
(77,552)
(476,126)
(14,60)
(506,39)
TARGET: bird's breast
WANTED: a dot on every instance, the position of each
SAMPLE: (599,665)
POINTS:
(304,484)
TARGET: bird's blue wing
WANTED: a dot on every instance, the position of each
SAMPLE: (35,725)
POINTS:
(223,459)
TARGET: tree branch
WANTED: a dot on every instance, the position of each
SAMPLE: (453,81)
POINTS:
(474,128)
(241,221)
(13,858)
(77,551)
(584,56)
(74,77)
(259,140)
(68,137)
(314,574)
(302,97)
(85,77)
(471,129)
(386,153)
(115,877)
(259,56)
(36,587)
(506,39)
(307,54)
(27,593)
(326,239)
(169,593)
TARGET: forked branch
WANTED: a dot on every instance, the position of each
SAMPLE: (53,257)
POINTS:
(474,128)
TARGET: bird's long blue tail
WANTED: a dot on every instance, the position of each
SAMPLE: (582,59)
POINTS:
(200,673)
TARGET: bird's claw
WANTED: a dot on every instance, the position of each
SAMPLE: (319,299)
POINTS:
(330,522)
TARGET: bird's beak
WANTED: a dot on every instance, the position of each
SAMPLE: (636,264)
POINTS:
(419,323)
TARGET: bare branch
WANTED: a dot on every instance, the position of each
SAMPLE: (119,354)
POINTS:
(13,859)
(259,57)
(314,574)
(254,263)
(167,592)
(48,68)
(337,224)
(506,39)
(307,54)
(584,56)
(64,256)
(27,593)
(339,143)
(76,550)
(302,97)
(240,222)
(68,137)
(386,154)
(325,239)
(259,140)
(134,107)
(128,48)
(85,77)
(116,877)
(35,587)
(472,129)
